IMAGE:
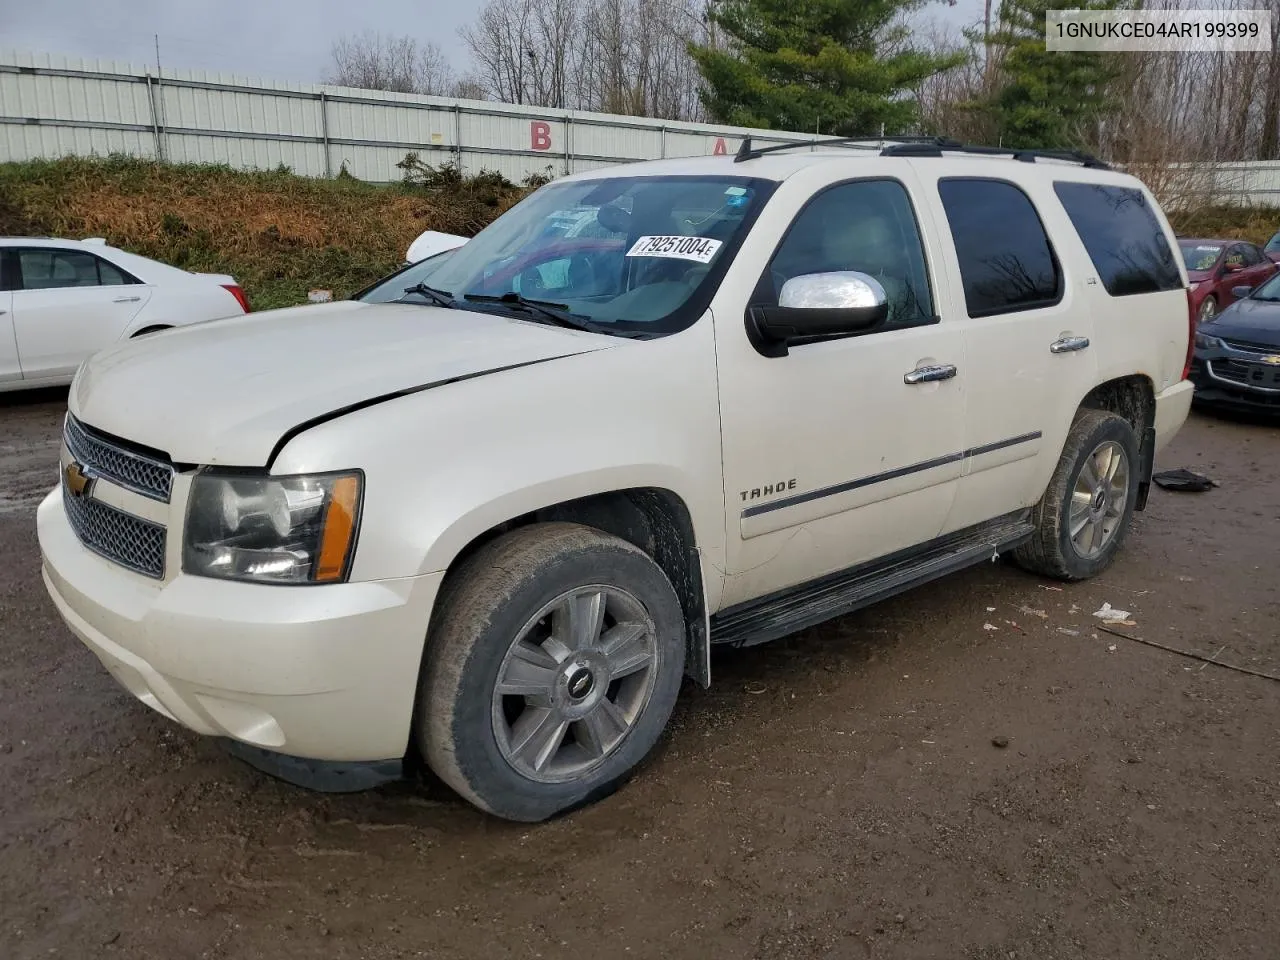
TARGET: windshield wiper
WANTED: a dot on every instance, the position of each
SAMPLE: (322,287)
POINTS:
(442,298)
(557,313)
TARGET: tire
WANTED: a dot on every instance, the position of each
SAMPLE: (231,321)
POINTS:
(1208,308)
(1053,552)
(488,628)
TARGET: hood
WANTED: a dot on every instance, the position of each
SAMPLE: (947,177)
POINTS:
(226,391)
(1254,321)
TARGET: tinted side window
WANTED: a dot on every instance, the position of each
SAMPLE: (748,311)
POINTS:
(53,269)
(1006,261)
(1273,245)
(109,275)
(868,226)
(1252,255)
(1123,237)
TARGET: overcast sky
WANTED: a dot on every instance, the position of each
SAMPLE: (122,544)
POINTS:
(271,39)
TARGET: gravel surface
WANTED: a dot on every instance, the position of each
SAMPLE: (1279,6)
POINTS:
(904,782)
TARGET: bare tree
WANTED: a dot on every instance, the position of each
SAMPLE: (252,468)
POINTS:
(617,56)
(399,64)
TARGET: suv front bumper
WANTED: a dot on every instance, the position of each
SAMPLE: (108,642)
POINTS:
(322,672)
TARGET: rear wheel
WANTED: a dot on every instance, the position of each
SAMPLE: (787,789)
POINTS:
(1084,515)
(552,670)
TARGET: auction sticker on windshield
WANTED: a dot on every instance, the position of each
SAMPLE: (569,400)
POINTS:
(699,249)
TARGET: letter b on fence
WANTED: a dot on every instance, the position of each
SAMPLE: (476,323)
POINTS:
(540,135)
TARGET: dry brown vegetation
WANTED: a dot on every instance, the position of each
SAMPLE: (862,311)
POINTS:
(278,234)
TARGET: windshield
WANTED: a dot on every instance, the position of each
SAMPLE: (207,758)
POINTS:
(393,287)
(1273,245)
(1200,256)
(1269,290)
(623,253)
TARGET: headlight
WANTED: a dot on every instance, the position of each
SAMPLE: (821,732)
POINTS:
(272,529)
(1208,343)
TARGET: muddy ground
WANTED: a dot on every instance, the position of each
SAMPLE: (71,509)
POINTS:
(836,794)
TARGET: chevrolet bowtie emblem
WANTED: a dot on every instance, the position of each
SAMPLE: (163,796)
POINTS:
(77,482)
(1273,359)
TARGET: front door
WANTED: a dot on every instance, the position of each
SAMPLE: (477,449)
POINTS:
(70,305)
(832,455)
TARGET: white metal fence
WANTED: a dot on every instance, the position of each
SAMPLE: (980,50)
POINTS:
(52,106)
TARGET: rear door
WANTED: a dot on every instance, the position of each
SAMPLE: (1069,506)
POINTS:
(1028,343)
(69,304)
(10,368)
(1257,267)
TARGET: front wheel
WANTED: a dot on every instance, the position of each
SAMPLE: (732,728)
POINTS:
(552,670)
(1083,517)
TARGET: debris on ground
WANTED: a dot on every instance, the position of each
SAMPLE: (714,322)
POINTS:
(1000,742)
(1111,648)
(1184,481)
(1034,613)
(991,609)
(989,626)
(1069,633)
(1045,586)
(1109,614)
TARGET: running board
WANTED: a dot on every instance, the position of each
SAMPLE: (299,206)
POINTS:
(793,610)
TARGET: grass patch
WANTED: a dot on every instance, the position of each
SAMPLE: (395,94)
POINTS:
(278,233)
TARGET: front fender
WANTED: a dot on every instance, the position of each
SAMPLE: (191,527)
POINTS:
(444,466)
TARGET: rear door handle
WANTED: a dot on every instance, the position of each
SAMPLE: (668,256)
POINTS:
(126,299)
(1068,344)
(931,374)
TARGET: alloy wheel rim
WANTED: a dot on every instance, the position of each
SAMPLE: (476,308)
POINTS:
(1098,500)
(574,683)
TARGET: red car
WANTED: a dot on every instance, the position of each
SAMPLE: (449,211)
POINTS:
(1214,267)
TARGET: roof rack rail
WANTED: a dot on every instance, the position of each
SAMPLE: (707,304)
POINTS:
(872,141)
(923,146)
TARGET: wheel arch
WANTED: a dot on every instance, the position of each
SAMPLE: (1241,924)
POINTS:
(1132,397)
(654,519)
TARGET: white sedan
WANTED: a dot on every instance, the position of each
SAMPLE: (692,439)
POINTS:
(63,300)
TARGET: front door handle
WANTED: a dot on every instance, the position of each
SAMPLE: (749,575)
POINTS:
(931,374)
(126,299)
(1068,344)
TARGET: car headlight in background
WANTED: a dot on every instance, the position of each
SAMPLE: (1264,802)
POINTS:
(1205,342)
(272,529)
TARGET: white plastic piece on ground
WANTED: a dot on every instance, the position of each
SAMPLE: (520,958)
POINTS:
(1109,614)
(432,242)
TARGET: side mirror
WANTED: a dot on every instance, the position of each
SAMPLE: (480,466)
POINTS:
(817,305)
(1241,292)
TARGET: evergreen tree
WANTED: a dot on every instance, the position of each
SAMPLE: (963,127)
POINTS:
(1048,99)
(830,66)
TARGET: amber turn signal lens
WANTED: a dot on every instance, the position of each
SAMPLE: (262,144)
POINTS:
(339,529)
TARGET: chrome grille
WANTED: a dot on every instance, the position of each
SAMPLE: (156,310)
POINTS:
(120,537)
(1245,346)
(1262,376)
(135,471)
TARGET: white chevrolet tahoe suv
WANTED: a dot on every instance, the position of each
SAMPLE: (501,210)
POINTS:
(491,519)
